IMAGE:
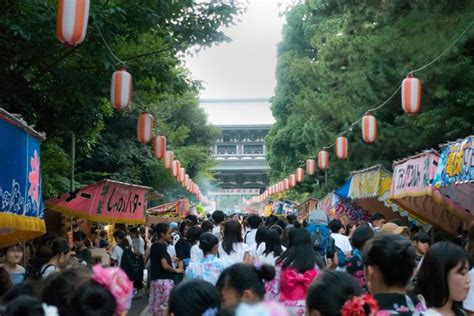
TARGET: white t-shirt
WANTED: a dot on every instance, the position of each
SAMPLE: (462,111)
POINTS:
(342,242)
(237,254)
(249,237)
(172,252)
(139,245)
(196,253)
(267,258)
(47,269)
(469,301)
(116,255)
(217,231)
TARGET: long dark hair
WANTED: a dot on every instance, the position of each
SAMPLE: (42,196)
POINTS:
(300,253)
(441,258)
(260,235)
(232,235)
(273,243)
(242,276)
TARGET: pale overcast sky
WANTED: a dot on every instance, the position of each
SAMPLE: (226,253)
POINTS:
(244,67)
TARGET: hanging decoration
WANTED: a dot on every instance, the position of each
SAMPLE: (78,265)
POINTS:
(411,95)
(169,156)
(182,175)
(71,22)
(310,167)
(323,160)
(121,89)
(286,184)
(299,175)
(341,147)
(159,147)
(369,128)
(176,168)
(145,128)
(292,180)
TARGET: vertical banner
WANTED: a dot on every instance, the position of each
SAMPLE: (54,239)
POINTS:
(21,199)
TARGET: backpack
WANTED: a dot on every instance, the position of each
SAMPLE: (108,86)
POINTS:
(129,263)
(341,258)
(320,238)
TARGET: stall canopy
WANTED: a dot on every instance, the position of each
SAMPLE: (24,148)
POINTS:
(338,207)
(106,201)
(21,200)
(412,188)
(370,189)
(455,173)
(169,212)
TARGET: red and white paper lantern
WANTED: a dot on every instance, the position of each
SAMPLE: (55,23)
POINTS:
(176,168)
(341,147)
(71,21)
(323,160)
(292,180)
(121,89)
(159,147)
(145,128)
(310,167)
(411,95)
(369,128)
(286,183)
(299,175)
(169,156)
(182,175)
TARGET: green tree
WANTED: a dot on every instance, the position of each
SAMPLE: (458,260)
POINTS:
(338,59)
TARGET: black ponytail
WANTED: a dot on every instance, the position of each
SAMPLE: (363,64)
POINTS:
(93,299)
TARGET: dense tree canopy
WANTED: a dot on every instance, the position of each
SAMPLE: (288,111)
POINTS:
(64,90)
(338,59)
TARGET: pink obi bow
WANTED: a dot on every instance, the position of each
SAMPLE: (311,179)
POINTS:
(293,278)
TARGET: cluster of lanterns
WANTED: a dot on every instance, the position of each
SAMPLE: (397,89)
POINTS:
(411,103)
(71,29)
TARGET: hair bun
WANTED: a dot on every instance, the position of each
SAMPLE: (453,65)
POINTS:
(266,272)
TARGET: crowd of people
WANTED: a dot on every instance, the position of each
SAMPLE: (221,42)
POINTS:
(244,265)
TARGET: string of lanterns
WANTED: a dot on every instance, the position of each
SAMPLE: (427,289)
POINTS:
(71,29)
(411,105)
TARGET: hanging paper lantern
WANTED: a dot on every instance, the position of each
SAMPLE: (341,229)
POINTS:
(281,186)
(159,147)
(286,183)
(299,175)
(186,180)
(121,89)
(176,168)
(310,167)
(71,22)
(341,147)
(168,161)
(369,128)
(323,160)
(145,128)
(182,175)
(411,95)
(292,180)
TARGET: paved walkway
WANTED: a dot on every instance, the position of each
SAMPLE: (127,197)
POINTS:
(138,306)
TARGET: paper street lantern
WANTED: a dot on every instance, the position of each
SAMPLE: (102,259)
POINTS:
(369,128)
(145,128)
(286,184)
(159,147)
(299,175)
(169,156)
(292,180)
(121,89)
(411,95)
(310,167)
(182,175)
(176,168)
(71,21)
(341,147)
(323,160)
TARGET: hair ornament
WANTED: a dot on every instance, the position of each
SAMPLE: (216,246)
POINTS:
(363,305)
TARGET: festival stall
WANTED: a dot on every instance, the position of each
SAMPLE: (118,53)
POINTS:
(412,189)
(454,177)
(21,200)
(306,207)
(370,190)
(340,208)
(170,212)
(106,201)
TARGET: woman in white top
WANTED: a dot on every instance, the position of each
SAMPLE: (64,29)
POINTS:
(271,249)
(443,279)
(232,246)
(60,258)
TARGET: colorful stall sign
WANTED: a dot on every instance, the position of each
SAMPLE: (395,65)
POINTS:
(455,173)
(370,189)
(105,201)
(21,199)
(412,189)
